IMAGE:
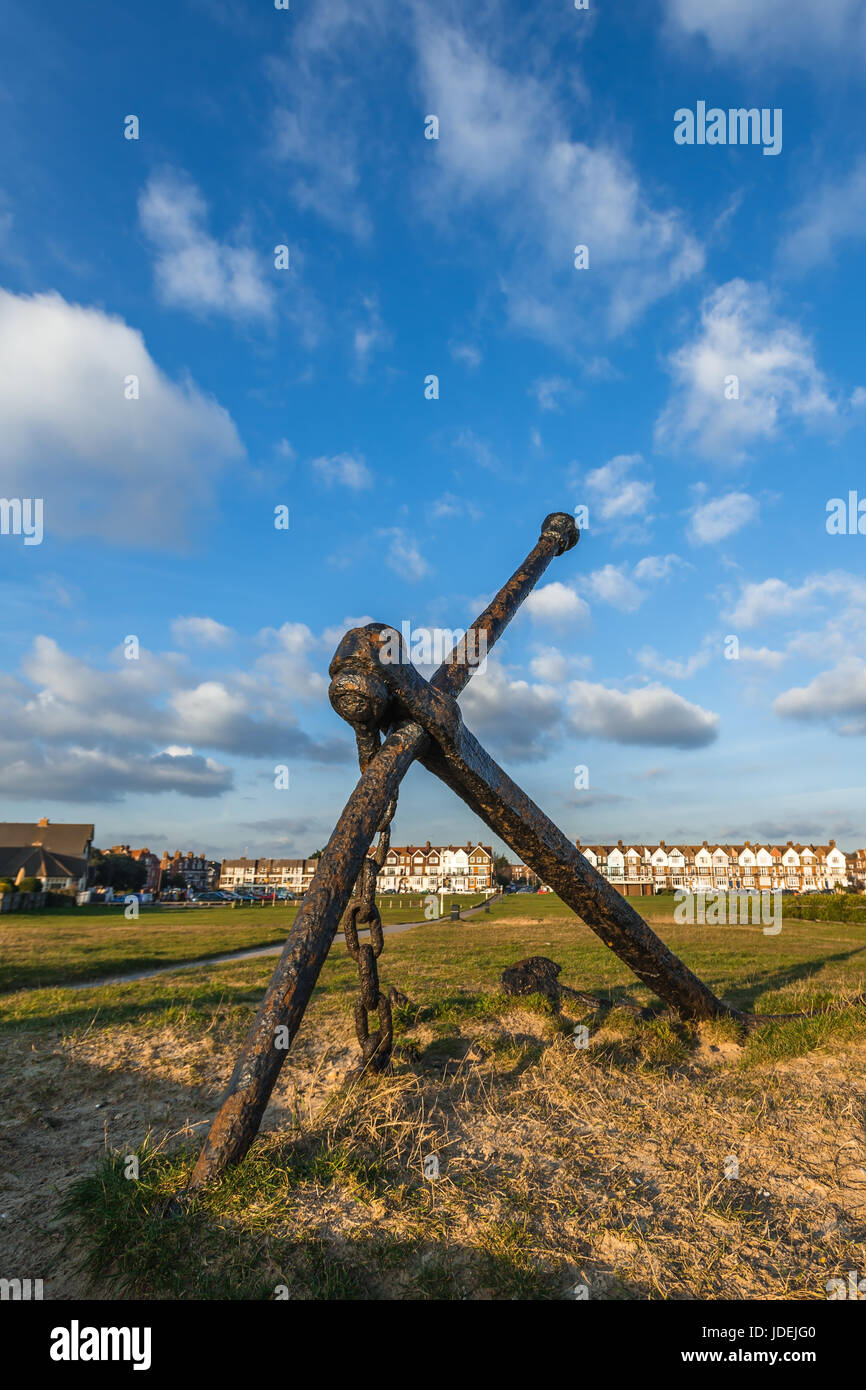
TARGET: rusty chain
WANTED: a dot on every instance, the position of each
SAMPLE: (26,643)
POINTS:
(363,912)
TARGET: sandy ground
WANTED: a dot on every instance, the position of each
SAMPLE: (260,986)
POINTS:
(802,1151)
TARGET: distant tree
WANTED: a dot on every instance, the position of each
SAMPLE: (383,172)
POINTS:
(317,854)
(501,870)
(118,871)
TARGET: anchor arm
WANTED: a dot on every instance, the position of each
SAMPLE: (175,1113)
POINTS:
(459,760)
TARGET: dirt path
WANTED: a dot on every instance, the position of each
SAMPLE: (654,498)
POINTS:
(248,953)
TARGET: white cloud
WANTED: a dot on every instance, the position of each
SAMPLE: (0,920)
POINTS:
(772,599)
(320,124)
(656,567)
(331,636)
(557,603)
(623,588)
(370,334)
(713,521)
(612,585)
(347,470)
(478,450)
(507,147)
(653,715)
(94,775)
(837,697)
(788,29)
(205,632)
(466,353)
(295,658)
(650,660)
(516,719)
(106,734)
(450,505)
(549,391)
(763,656)
(831,214)
(66,423)
(615,493)
(193,269)
(779,382)
(403,555)
(550,666)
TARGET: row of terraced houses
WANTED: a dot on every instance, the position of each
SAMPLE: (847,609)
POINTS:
(643,869)
(425,868)
(59,854)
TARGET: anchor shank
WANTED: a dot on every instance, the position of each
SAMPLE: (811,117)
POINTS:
(514,816)
(457,757)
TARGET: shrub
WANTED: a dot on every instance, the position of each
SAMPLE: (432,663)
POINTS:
(6,885)
(60,897)
(30,885)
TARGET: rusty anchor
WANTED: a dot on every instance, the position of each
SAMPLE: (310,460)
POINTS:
(399,717)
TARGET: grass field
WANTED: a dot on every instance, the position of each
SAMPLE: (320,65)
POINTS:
(60,946)
(604,1165)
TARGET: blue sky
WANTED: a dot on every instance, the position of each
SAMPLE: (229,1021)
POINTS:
(558,388)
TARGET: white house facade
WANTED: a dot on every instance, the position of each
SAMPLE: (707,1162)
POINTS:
(428,868)
(640,869)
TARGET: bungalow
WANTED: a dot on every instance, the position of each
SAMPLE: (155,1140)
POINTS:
(58,854)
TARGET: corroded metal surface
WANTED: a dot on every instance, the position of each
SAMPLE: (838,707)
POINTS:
(422,720)
(359,694)
(457,757)
(304,953)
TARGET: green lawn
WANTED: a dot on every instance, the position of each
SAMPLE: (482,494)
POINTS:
(604,1165)
(64,945)
(806,966)
(58,946)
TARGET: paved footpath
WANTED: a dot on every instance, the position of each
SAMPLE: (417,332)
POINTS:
(248,954)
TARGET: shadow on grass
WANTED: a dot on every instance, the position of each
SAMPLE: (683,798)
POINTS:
(745,996)
(244,1239)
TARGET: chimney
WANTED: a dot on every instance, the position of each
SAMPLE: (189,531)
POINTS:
(748,844)
(428,844)
(705,845)
(44,821)
(619,844)
(832,844)
(662,844)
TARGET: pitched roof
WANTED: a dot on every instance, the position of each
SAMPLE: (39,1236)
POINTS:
(39,863)
(59,839)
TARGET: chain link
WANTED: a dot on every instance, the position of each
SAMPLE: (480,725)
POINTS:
(363,912)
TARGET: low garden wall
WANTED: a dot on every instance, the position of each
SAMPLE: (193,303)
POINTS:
(21,902)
